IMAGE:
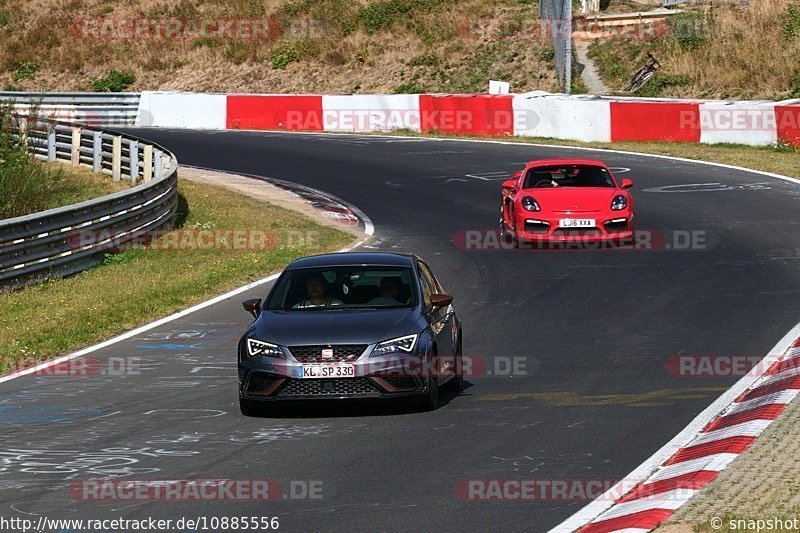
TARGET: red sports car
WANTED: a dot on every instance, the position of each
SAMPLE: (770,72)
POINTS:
(564,200)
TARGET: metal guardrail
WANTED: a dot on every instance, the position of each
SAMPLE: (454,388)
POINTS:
(62,241)
(93,109)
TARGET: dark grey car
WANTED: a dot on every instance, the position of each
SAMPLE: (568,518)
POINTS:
(350,325)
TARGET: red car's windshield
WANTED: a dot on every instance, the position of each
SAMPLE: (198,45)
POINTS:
(568,176)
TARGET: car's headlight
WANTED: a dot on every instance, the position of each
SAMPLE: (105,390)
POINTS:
(529,204)
(400,344)
(619,202)
(257,348)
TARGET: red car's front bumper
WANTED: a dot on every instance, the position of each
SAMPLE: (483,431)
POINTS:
(539,227)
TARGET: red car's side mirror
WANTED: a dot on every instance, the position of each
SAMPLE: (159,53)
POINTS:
(252,306)
(626,183)
(510,184)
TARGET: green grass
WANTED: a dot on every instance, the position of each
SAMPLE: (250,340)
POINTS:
(44,320)
(114,82)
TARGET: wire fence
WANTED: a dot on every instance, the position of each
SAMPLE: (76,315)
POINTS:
(556,16)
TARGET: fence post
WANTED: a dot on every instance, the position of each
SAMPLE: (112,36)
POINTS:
(97,151)
(133,153)
(159,161)
(76,146)
(148,162)
(116,159)
(51,145)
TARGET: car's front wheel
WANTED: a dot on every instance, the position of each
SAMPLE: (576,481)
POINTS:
(430,401)
(457,381)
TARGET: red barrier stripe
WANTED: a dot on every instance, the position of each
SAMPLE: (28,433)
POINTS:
(784,384)
(644,519)
(765,412)
(274,112)
(467,114)
(729,445)
(692,480)
(787,119)
(786,364)
(655,121)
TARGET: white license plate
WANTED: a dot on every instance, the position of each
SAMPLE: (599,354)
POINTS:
(326,370)
(577,223)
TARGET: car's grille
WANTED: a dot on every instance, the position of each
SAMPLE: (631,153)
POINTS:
(327,387)
(341,353)
(536,227)
(578,232)
(401,382)
(260,384)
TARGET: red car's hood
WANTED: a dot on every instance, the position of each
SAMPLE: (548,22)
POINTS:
(573,199)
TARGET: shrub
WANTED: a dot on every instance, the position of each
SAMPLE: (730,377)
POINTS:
(791,24)
(690,30)
(289,51)
(116,81)
(25,71)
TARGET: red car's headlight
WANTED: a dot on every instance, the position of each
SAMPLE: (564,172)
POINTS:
(619,202)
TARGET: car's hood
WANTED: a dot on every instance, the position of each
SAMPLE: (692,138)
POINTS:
(574,199)
(292,328)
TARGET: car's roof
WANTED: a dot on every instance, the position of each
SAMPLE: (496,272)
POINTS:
(353,258)
(565,161)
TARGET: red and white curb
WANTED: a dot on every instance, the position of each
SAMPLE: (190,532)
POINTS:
(667,483)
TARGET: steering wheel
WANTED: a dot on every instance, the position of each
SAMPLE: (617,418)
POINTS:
(544,183)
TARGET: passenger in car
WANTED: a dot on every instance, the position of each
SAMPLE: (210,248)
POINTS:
(390,289)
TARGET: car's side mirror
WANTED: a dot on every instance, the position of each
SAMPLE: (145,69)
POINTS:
(441,300)
(252,306)
(627,183)
(510,185)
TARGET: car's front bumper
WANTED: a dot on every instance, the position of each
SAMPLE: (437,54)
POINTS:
(270,379)
(535,227)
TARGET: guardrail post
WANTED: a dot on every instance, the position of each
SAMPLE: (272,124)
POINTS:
(133,153)
(159,161)
(23,131)
(148,162)
(116,159)
(75,158)
(97,151)
(51,145)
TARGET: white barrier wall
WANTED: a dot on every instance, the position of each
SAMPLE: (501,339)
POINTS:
(750,123)
(182,110)
(562,117)
(371,112)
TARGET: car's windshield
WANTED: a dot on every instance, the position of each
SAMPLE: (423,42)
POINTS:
(343,287)
(568,176)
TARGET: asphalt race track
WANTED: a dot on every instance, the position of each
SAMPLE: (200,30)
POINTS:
(594,328)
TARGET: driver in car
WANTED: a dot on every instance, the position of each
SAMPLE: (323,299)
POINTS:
(317,289)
